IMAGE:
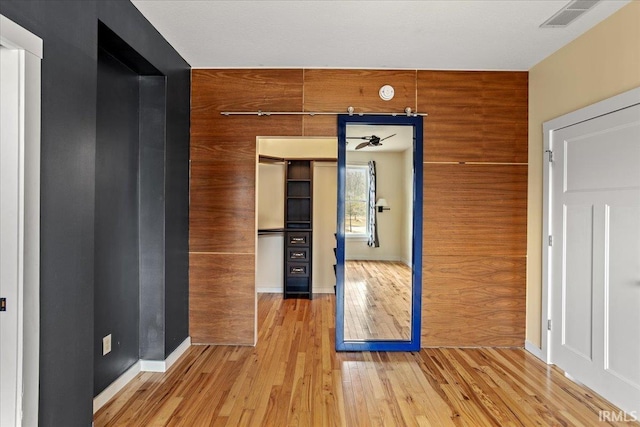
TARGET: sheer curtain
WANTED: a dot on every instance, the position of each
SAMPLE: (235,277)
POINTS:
(373,228)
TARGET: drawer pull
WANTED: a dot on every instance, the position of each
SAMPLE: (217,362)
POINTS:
(298,255)
(297,270)
(298,240)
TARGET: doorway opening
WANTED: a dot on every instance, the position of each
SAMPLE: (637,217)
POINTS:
(272,260)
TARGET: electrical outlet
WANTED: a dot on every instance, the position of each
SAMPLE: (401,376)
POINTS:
(106,345)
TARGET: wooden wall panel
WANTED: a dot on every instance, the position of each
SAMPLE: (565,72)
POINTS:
(222,212)
(336,90)
(212,148)
(243,89)
(474,116)
(232,129)
(222,299)
(320,126)
(473,301)
(475,210)
(213,91)
(476,213)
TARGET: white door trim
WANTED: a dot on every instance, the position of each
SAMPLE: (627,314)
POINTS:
(609,105)
(15,37)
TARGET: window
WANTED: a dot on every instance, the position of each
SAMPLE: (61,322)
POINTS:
(356,201)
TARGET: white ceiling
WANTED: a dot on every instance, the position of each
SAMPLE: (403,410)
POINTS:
(395,34)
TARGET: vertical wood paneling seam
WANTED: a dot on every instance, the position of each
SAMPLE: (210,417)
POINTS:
(302,133)
(415,100)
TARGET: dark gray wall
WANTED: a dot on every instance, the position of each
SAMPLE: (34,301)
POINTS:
(68,178)
(116,271)
(152,217)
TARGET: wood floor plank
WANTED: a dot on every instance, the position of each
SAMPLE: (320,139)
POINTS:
(294,377)
(377,300)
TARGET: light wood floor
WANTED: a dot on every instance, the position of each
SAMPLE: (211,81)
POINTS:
(377,300)
(293,377)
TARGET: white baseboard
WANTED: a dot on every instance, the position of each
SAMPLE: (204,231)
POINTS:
(278,290)
(269,290)
(535,350)
(106,394)
(179,351)
(164,365)
(153,366)
(572,378)
(140,366)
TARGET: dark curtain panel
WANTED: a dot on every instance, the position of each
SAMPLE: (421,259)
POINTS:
(373,227)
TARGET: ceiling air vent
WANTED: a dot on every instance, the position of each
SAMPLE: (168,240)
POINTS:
(569,13)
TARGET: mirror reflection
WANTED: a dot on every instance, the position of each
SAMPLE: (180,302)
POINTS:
(378,230)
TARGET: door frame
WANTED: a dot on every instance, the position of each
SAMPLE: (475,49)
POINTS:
(15,37)
(413,343)
(607,106)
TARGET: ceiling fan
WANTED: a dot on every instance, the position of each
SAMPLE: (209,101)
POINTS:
(370,141)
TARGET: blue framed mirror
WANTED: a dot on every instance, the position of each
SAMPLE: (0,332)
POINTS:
(379,235)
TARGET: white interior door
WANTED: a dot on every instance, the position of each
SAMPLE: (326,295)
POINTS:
(11,240)
(595,261)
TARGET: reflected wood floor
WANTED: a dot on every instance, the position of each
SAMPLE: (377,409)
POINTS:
(377,300)
(293,377)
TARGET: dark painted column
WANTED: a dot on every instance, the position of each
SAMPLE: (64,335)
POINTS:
(152,217)
(116,267)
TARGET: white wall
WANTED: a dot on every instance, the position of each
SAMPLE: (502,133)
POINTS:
(299,147)
(407,234)
(601,63)
(325,208)
(270,195)
(390,185)
(270,263)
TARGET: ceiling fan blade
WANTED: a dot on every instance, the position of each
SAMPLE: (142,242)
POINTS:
(358,137)
(361,145)
(387,137)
